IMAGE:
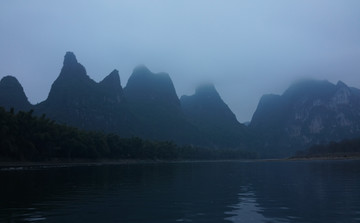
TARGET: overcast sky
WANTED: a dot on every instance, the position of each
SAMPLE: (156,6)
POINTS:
(246,48)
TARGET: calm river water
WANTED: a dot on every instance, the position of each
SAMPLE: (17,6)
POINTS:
(272,191)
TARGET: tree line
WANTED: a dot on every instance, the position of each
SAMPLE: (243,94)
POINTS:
(344,148)
(26,137)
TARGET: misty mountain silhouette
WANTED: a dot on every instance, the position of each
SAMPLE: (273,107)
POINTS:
(214,118)
(77,100)
(152,99)
(146,87)
(12,94)
(309,112)
(147,107)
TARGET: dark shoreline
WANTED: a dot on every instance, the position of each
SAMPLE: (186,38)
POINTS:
(9,164)
(324,158)
(20,164)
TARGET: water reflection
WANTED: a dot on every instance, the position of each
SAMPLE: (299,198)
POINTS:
(248,210)
(196,192)
(184,192)
(308,191)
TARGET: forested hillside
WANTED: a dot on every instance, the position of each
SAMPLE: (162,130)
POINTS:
(25,137)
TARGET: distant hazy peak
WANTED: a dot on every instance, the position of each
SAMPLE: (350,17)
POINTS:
(309,87)
(141,69)
(210,113)
(12,94)
(10,80)
(142,76)
(207,89)
(112,77)
(268,98)
(70,59)
(309,83)
(10,83)
(112,81)
(114,72)
(341,84)
(143,85)
(72,69)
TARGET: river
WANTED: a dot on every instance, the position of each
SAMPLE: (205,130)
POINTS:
(252,191)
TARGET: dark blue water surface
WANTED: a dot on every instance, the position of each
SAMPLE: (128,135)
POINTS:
(272,191)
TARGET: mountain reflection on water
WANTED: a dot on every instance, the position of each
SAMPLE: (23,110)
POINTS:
(248,210)
(306,191)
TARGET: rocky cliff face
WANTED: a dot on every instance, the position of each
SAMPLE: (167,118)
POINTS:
(12,94)
(309,112)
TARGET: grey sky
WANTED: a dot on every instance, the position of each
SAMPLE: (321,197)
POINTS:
(246,48)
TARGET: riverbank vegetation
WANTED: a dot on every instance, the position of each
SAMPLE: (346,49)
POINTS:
(349,148)
(26,137)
